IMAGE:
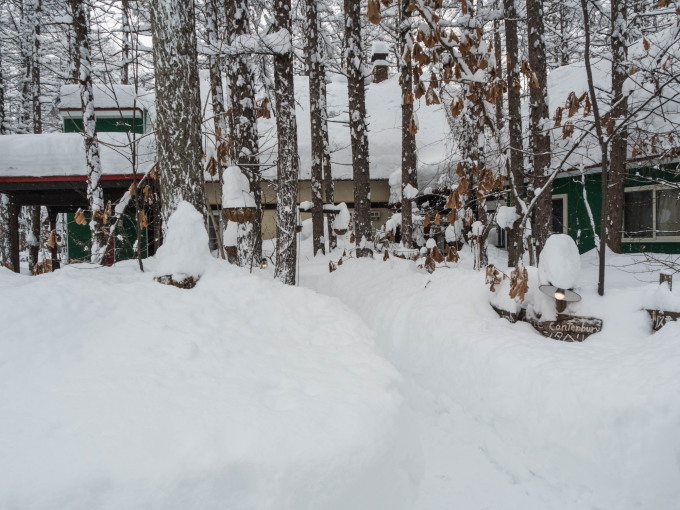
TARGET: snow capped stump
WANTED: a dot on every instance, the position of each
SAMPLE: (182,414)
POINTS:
(341,221)
(238,203)
(183,257)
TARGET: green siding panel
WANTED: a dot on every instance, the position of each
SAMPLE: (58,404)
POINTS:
(579,226)
(108,125)
(79,239)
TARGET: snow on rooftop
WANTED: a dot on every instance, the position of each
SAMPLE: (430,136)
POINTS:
(383,104)
(380,47)
(107,97)
(63,154)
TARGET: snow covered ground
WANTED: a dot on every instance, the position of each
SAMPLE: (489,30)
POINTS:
(509,419)
(382,387)
(117,392)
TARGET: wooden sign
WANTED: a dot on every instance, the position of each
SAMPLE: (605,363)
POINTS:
(512,317)
(661,318)
(568,328)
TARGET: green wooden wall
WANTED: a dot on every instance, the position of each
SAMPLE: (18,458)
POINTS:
(579,225)
(124,124)
(79,239)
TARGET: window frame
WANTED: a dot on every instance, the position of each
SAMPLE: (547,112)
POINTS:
(565,212)
(654,238)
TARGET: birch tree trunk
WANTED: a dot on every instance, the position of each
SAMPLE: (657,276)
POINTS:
(32,20)
(315,69)
(409,174)
(538,123)
(178,105)
(619,140)
(241,78)
(516,177)
(358,128)
(95,194)
(287,191)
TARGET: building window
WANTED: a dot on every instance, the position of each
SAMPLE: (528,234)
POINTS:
(651,213)
(559,214)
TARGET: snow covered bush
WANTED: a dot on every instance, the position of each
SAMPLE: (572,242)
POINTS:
(185,251)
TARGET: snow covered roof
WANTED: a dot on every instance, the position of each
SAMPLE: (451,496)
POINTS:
(63,154)
(659,117)
(383,104)
(380,48)
(107,97)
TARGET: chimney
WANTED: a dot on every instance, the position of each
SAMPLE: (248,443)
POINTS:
(379,59)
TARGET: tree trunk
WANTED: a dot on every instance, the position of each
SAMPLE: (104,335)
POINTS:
(315,69)
(329,189)
(358,128)
(54,250)
(3,127)
(244,125)
(604,151)
(33,12)
(34,238)
(619,140)
(13,227)
(95,194)
(287,191)
(4,230)
(125,49)
(539,122)
(178,105)
(409,175)
(516,175)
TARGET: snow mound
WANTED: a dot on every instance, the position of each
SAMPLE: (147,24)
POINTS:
(560,262)
(186,250)
(236,189)
(241,393)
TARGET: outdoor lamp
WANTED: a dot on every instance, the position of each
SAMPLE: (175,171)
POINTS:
(559,294)
(562,296)
(264,264)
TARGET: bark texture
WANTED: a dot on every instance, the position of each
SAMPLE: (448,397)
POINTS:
(178,125)
(516,175)
(95,194)
(358,128)
(619,140)
(287,191)
(316,76)
(409,175)
(539,122)
(245,145)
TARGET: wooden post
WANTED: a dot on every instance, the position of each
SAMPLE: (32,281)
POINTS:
(54,251)
(667,278)
(561,305)
(14,236)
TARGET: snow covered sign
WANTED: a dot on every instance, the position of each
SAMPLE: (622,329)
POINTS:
(568,328)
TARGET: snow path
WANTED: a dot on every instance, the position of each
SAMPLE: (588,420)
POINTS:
(508,419)
(458,469)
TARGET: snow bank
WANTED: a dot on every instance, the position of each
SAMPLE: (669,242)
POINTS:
(522,421)
(185,251)
(241,394)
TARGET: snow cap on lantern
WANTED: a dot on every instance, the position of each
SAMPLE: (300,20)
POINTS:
(185,251)
(238,203)
(560,263)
